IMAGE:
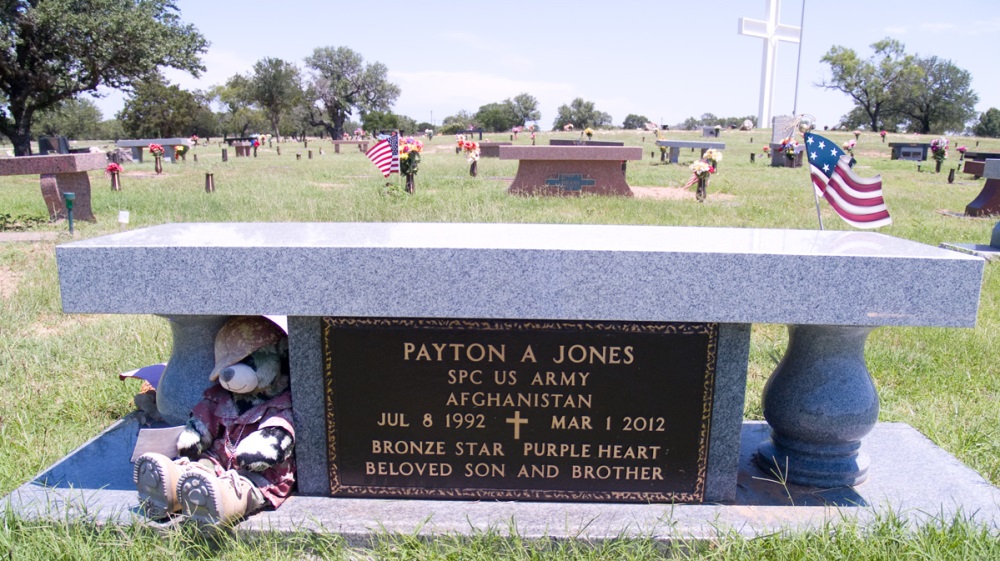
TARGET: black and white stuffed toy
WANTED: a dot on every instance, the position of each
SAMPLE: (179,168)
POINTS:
(236,450)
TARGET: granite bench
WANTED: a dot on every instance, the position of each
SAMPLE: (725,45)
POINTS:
(676,145)
(831,288)
(62,173)
(987,202)
(169,144)
(570,170)
(361,144)
(489,149)
(974,162)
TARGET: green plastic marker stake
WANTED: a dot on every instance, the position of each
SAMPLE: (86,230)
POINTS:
(69,198)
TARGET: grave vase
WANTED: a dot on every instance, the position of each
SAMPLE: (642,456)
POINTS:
(116,184)
(474,168)
(937,166)
(700,193)
(411,183)
(158,164)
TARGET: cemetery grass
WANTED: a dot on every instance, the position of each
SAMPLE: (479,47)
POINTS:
(58,372)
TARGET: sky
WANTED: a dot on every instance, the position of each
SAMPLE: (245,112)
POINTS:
(664,59)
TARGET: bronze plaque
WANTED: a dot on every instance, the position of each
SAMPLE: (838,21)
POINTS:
(531,410)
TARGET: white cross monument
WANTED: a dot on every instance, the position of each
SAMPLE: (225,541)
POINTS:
(771,32)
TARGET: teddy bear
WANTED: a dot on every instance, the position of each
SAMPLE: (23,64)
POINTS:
(236,450)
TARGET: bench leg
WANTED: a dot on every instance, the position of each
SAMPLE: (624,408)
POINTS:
(191,361)
(137,154)
(675,154)
(55,184)
(820,401)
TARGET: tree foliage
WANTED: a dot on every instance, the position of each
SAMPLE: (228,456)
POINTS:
(375,121)
(52,50)
(239,116)
(633,121)
(73,118)
(275,88)
(525,108)
(454,124)
(941,99)
(876,85)
(342,83)
(580,114)
(157,109)
(892,89)
(497,117)
(710,120)
(989,124)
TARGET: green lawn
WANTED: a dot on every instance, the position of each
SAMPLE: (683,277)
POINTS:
(58,383)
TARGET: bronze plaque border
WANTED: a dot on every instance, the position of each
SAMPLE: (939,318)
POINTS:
(671,328)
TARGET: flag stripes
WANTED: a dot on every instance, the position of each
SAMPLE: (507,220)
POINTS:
(857,200)
(385,155)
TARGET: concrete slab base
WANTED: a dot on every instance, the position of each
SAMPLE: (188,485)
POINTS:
(909,477)
(987,252)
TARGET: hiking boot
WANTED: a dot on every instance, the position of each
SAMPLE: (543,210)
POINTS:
(155,477)
(209,499)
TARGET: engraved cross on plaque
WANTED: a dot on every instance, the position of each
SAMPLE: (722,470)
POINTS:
(570,181)
(517,421)
(771,32)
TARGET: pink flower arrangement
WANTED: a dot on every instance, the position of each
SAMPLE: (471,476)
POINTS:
(939,149)
(961,149)
(883,133)
(112,168)
(194,138)
(156,149)
(766,149)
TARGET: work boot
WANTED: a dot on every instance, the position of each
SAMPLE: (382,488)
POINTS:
(209,499)
(155,477)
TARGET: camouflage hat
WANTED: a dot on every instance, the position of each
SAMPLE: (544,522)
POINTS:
(241,336)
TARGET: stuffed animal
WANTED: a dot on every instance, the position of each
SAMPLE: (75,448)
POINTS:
(235,452)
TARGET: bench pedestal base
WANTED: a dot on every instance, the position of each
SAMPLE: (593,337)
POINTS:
(820,401)
(55,184)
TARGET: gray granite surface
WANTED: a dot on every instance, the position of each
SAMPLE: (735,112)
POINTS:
(526,271)
(991,169)
(910,478)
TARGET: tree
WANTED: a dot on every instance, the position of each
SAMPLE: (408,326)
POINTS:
(275,87)
(375,121)
(876,85)
(633,121)
(52,50)
(989,124)
(942,100)
(525,108)
(157,109)
(455,124)
(240,116)
(580,114)
(497,117)
(342,83)
(72,118)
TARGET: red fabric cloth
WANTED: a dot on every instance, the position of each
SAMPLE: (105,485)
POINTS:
(219,413)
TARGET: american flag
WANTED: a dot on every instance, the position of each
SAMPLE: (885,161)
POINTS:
(856,199)
(385,155)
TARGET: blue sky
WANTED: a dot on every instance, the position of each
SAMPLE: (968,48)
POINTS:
(665,59)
